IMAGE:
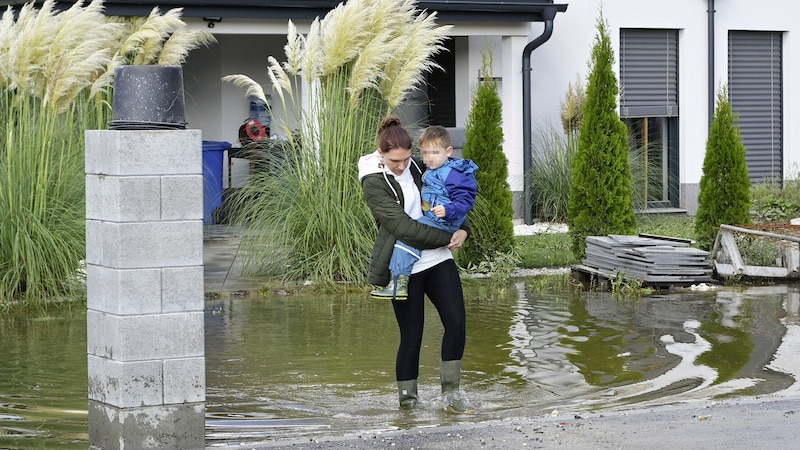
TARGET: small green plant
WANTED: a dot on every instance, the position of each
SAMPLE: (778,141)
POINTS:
(499,267)
(554,283)
(628,287)
(759,251)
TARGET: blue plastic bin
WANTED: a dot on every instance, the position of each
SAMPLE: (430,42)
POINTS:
(213,159)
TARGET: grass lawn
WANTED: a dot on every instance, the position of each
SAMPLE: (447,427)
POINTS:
(553,250)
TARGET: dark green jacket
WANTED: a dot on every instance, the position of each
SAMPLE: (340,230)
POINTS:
(393,223)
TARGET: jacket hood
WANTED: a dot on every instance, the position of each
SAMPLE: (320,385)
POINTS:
(369,164)
(465,166)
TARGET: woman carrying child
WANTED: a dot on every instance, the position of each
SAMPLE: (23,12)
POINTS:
(391,182)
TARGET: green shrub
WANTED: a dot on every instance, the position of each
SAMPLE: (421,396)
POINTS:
(550,176)
(601,195)
(725,185)
(771,202)
(491,219)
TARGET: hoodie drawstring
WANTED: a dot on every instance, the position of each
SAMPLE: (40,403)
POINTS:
(396,197)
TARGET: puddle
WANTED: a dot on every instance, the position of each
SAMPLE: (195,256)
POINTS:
(307,366)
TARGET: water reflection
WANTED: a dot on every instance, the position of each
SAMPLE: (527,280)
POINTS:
(310,365)
(43,372)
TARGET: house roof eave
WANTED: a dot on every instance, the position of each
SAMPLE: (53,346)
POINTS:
(447,10)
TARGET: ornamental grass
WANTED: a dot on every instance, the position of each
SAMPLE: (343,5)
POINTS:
(55,82)
(307,219)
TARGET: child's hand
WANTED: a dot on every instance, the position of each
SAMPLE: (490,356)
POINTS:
(439,211)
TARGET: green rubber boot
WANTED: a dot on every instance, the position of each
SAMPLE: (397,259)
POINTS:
(454,397)
(407,392)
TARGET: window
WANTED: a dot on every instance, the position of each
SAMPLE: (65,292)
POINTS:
(756,93)
(442,87)
(649,108)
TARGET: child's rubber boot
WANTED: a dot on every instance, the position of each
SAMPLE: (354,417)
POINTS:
(392,291)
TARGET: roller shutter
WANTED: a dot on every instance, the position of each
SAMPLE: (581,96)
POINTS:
(755,86)
(648,73)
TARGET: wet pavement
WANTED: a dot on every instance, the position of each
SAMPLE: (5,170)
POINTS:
(730,425)
(223,263)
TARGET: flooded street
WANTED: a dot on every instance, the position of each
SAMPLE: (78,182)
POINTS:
(324,365)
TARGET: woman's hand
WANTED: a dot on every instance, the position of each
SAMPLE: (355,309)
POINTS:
(457,240)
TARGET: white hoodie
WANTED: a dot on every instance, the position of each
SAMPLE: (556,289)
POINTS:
(373,163)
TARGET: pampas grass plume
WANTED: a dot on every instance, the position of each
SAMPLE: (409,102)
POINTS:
(252,89)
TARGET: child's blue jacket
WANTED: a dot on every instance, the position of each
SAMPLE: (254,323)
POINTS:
(453,185)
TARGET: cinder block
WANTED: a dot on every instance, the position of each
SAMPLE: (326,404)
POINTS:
(126,384)
(123,291)
(184,380)
(145,337)
(182,289)
(154,427)
(94,242)
(151,244)
(143,152)
(123,199)
(98,336)
(182,197)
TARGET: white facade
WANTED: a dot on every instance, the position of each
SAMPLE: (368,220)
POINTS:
(220,108)
(566,54)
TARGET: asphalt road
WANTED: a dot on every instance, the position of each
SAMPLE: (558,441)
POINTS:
(749,423)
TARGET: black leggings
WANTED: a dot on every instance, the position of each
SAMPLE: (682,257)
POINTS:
(443,286)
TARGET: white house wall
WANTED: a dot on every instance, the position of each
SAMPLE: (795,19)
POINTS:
(218,108)
(566,56)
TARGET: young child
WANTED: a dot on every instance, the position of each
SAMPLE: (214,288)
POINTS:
(448,194)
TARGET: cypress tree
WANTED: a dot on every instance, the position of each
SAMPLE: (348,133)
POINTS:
(491,219)
(601,194)
(725,184)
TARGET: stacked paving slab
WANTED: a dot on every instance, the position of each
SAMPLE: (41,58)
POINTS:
(653,260)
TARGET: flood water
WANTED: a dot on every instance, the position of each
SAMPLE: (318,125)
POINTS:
(301,366)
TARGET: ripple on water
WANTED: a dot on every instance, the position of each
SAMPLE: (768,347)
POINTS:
(280,368)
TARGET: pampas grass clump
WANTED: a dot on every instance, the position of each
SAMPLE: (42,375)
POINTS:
(54,84)
(357,64)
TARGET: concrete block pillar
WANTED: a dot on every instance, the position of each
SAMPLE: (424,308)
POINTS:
(144,275)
